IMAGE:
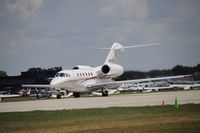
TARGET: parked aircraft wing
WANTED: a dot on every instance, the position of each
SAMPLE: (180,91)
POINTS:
(9,95)
(36,85)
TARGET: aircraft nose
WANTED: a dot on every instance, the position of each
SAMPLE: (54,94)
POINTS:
(53,83)
(56,83)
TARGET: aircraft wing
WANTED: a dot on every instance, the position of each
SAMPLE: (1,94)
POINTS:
(154,79)
(36,85)
(115,84)
(108,85)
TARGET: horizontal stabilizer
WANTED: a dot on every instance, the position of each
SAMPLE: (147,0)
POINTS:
(133,46)
(143,45)
(117,48)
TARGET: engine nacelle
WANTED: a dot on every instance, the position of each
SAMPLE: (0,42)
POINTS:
(83,67)
(113,70)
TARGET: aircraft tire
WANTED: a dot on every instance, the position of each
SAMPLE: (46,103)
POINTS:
(76,94)
(58,96)
(104,93)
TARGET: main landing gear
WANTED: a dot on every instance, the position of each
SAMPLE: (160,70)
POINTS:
(104,92)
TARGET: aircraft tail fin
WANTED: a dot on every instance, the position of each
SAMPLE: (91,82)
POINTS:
(115,50)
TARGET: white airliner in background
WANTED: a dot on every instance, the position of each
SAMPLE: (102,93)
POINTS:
(88,79)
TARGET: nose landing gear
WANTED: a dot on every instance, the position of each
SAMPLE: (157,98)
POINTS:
(58,96)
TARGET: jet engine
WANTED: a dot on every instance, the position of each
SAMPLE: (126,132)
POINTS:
(113,70)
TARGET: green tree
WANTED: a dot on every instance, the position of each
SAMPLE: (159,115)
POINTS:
(3,73)
(179,70)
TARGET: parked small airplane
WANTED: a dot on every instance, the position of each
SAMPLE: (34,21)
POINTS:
(88,79)
(149,87)
(185,86)
(25,92)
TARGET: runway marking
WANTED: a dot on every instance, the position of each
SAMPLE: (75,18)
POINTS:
(145,99)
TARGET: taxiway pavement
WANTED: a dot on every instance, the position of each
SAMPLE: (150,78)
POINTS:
(144,99)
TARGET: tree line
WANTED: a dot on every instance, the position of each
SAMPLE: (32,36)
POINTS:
(35,72)
(3,73)
(177,70)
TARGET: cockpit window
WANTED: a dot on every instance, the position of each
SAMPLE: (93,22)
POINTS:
(57,75)
(62,75)
(67,75)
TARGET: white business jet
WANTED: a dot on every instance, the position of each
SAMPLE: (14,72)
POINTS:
(87,79)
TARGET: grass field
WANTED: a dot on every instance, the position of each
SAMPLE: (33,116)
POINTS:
(112,120)
(17,99)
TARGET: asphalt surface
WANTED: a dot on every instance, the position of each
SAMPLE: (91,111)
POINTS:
(144,99)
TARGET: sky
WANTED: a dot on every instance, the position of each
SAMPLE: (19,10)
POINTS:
(51,33)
